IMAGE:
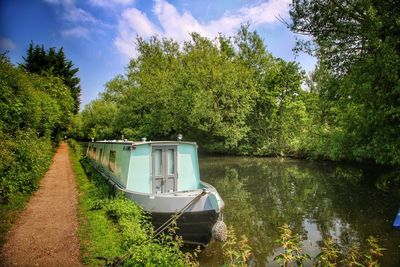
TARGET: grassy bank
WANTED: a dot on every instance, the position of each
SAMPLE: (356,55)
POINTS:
(23,162)
(9,213)
(114,229)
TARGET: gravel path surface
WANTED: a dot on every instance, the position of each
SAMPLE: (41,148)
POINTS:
(46,232)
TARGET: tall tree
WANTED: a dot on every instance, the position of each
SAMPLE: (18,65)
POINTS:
(227,93)
(276,84)
(358,42)
(345,31)
(53,63)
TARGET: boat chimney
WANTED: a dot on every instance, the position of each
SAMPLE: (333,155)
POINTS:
(143,139)
(180,136)
(92,139)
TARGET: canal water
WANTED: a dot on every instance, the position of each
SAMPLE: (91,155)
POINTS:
(317,199)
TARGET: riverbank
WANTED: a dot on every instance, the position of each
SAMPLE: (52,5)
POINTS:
(114,229)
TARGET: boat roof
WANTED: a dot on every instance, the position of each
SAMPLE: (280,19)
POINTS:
(127,142)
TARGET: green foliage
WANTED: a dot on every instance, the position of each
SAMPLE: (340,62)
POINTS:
(374,252)
(114,229)
(236,252)
(229,100)
(129,218)
(345,32)
(98,235)
(9,213)
(232,96)
(25,161)
(30,101)
(332,254)
(98,120)
(292,253)
(356,43)
(54,63)
(34,111)
(329,254)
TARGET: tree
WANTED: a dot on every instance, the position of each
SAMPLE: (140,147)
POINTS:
(343,32)
(228,93)
(53,63)
(99,119)
(358,43)
(277,83)
(34,110)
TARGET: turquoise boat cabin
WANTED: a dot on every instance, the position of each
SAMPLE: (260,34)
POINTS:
(163,178)
(149,167)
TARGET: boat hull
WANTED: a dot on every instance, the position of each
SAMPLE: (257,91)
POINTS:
(194,227)
(199,209)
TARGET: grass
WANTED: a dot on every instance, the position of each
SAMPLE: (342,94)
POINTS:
(9,213)
(98,236)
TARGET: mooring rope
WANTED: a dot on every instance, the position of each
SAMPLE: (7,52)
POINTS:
(118,261)
(177,215)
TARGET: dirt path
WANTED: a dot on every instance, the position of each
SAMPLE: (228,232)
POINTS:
(46,232)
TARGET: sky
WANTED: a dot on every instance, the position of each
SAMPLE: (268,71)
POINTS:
(99,35)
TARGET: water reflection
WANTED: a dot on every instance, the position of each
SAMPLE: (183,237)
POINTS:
(316,199)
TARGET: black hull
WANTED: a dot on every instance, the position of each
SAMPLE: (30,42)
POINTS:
(194,227)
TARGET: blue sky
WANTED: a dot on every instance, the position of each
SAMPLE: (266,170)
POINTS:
(98,35)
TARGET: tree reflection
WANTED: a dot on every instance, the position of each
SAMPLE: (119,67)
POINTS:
(317,200)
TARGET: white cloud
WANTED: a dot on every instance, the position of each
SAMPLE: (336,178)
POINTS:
(176,25)
(78,18)
(133,23)
(112,3)
(79,32)
(7,44)
(75,14)
(266,12)
(139,22)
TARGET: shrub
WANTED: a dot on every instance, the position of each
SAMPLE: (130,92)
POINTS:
(25,158)
(292,252)
(236,252)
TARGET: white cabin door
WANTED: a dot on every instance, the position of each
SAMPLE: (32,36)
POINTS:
(164,169)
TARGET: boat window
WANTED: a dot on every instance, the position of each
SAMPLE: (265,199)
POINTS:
(94,153)
(111,161)
(171,161)
(158,162)
(101,154)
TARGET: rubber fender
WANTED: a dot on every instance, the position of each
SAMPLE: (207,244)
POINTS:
(220,231)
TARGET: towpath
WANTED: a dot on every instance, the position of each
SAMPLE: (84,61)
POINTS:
(46,232)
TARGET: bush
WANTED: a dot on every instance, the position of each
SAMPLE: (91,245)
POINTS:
(236,252)
(34,112)
(24,160)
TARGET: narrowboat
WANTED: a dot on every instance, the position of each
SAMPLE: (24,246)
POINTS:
(163,178)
